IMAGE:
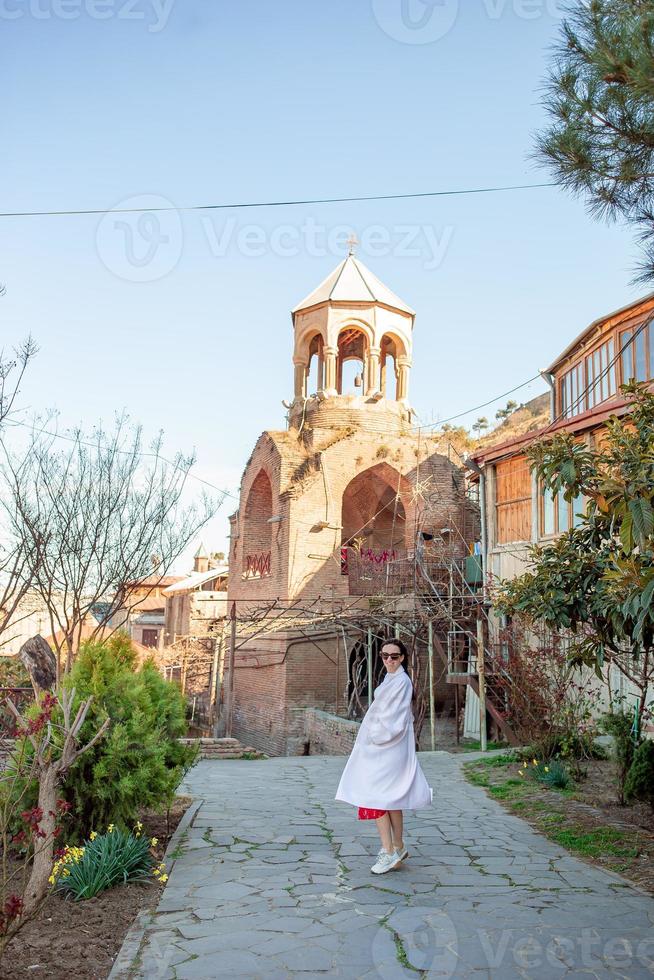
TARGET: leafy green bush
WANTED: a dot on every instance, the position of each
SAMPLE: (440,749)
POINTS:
(104,861)
(139,762)
(619,724)
(639,784)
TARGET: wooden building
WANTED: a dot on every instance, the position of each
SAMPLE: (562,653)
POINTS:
(585,382)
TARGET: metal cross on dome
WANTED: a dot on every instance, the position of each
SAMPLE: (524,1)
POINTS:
(352,243)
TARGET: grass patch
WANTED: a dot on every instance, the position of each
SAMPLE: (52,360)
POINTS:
(550,813)
(496,761)
(594,843)
(474,745)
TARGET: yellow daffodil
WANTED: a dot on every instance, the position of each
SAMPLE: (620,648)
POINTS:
(154,842)
(534,762)
(110,828)
(547,768)
(93,835)
(163,878)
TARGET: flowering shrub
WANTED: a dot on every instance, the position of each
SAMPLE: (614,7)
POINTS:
(552,774)
(31,810)
(115,857)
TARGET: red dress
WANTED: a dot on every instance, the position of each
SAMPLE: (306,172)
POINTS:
(365,813)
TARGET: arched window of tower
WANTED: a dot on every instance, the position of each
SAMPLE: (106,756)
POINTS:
(352,361)
(316,366)
(389,355)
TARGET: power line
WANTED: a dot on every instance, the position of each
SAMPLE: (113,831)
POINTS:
(540,433)
(278,204)
(433,425)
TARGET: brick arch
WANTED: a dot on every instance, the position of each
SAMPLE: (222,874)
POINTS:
(374,509)
(257,529)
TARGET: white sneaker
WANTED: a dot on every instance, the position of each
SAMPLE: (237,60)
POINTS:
(402,854)
(385,862)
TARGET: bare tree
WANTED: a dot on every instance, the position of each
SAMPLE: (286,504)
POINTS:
(12,371)
(93,519)
(15,575)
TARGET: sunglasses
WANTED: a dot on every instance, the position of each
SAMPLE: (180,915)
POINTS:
(391,656)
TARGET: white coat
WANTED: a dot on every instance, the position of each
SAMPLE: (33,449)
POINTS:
(383,772)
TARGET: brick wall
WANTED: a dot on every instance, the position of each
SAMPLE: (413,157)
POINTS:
(260,715)
(327,734)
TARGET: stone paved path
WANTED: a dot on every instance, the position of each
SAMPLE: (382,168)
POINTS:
(274,882)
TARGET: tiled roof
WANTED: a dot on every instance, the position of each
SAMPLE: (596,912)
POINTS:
(352,282)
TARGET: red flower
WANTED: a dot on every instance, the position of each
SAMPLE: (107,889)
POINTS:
(13,907)
(32,817)
(63,806)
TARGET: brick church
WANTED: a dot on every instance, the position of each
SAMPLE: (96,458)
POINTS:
(349,492)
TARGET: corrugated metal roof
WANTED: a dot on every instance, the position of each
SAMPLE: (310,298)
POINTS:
(196,579)
(351,281)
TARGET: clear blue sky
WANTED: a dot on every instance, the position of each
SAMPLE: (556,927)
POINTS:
(186,323)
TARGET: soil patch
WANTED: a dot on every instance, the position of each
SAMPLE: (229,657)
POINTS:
(80,940)
(585,818)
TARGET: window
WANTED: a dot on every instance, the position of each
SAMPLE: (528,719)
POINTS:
(637,355)
(149,638)
(600,374)
(558,515)
(573,396)
(590,382)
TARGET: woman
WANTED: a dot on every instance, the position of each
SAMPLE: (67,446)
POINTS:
(382,776)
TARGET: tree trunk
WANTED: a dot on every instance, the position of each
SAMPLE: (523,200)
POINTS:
(37,886)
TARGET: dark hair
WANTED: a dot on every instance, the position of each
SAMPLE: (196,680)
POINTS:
(396,643)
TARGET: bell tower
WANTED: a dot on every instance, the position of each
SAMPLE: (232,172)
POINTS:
(352,317)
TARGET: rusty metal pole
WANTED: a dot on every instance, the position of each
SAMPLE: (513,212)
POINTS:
(430,651)
(481,677)
(219,654)
(369,659)
(229,693)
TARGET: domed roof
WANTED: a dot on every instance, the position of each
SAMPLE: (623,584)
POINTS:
(352,282)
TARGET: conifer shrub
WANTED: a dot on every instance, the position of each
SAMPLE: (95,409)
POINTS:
(619,724)
(139,762)
(639,784)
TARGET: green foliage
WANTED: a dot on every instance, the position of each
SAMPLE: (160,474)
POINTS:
(139,762)
(110,859)
(639,784)
(597,580)
(619,724)
(13,673)
(599,96)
